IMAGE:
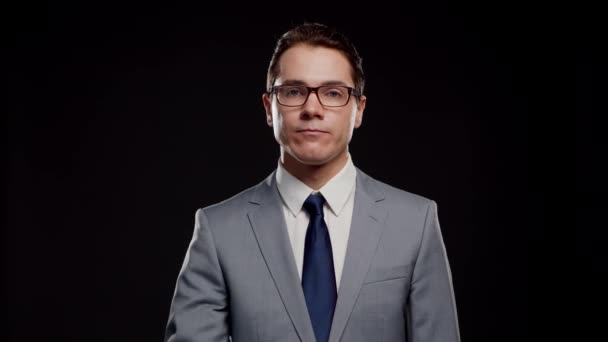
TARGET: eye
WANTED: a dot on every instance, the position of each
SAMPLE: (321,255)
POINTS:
(334,93)
(292,91)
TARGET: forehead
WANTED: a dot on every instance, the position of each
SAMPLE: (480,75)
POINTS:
(313,65)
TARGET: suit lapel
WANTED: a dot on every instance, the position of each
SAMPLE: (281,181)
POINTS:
(268,224)
(365,230)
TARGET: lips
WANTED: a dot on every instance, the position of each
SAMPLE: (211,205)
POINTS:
(311,130)
(311,133)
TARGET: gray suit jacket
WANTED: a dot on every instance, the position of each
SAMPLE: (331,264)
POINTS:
(239,277)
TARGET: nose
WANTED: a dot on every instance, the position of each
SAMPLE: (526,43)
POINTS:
(312,107)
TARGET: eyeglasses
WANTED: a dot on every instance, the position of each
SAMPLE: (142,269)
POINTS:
(328,95)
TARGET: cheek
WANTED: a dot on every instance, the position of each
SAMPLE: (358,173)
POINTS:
(281,127)
(277,124)
(352,118)
(348,124)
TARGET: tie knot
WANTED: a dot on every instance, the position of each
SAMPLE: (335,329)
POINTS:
(314,204)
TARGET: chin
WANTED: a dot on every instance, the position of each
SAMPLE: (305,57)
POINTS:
(312,157)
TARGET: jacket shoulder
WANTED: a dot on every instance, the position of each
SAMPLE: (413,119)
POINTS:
(233,206)
(397,197)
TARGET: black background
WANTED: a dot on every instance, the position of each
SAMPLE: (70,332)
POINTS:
(123,121)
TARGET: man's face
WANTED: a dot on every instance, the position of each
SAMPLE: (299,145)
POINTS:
(333,126)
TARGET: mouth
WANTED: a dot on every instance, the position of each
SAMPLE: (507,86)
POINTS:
(311,131)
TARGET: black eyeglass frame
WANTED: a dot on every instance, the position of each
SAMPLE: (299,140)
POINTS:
(351,92)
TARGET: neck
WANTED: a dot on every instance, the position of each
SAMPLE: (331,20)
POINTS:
(314,176)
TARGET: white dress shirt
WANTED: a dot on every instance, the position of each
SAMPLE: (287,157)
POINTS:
(339,193)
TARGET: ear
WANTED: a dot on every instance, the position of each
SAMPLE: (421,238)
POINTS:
(360,109)
(268,108)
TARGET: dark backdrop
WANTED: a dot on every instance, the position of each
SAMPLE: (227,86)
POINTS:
(123,121)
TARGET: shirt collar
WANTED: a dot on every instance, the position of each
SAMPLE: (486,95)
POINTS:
(336,191)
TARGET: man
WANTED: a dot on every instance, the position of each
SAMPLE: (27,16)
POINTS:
(319,250)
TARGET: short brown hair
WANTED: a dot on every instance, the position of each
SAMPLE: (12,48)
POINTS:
(315,34)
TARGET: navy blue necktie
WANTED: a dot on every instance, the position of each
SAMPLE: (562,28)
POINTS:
(318,276)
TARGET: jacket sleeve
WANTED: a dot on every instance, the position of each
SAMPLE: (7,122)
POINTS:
(199,309)
(431,305)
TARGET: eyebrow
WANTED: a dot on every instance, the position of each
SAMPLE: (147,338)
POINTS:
(326,83)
